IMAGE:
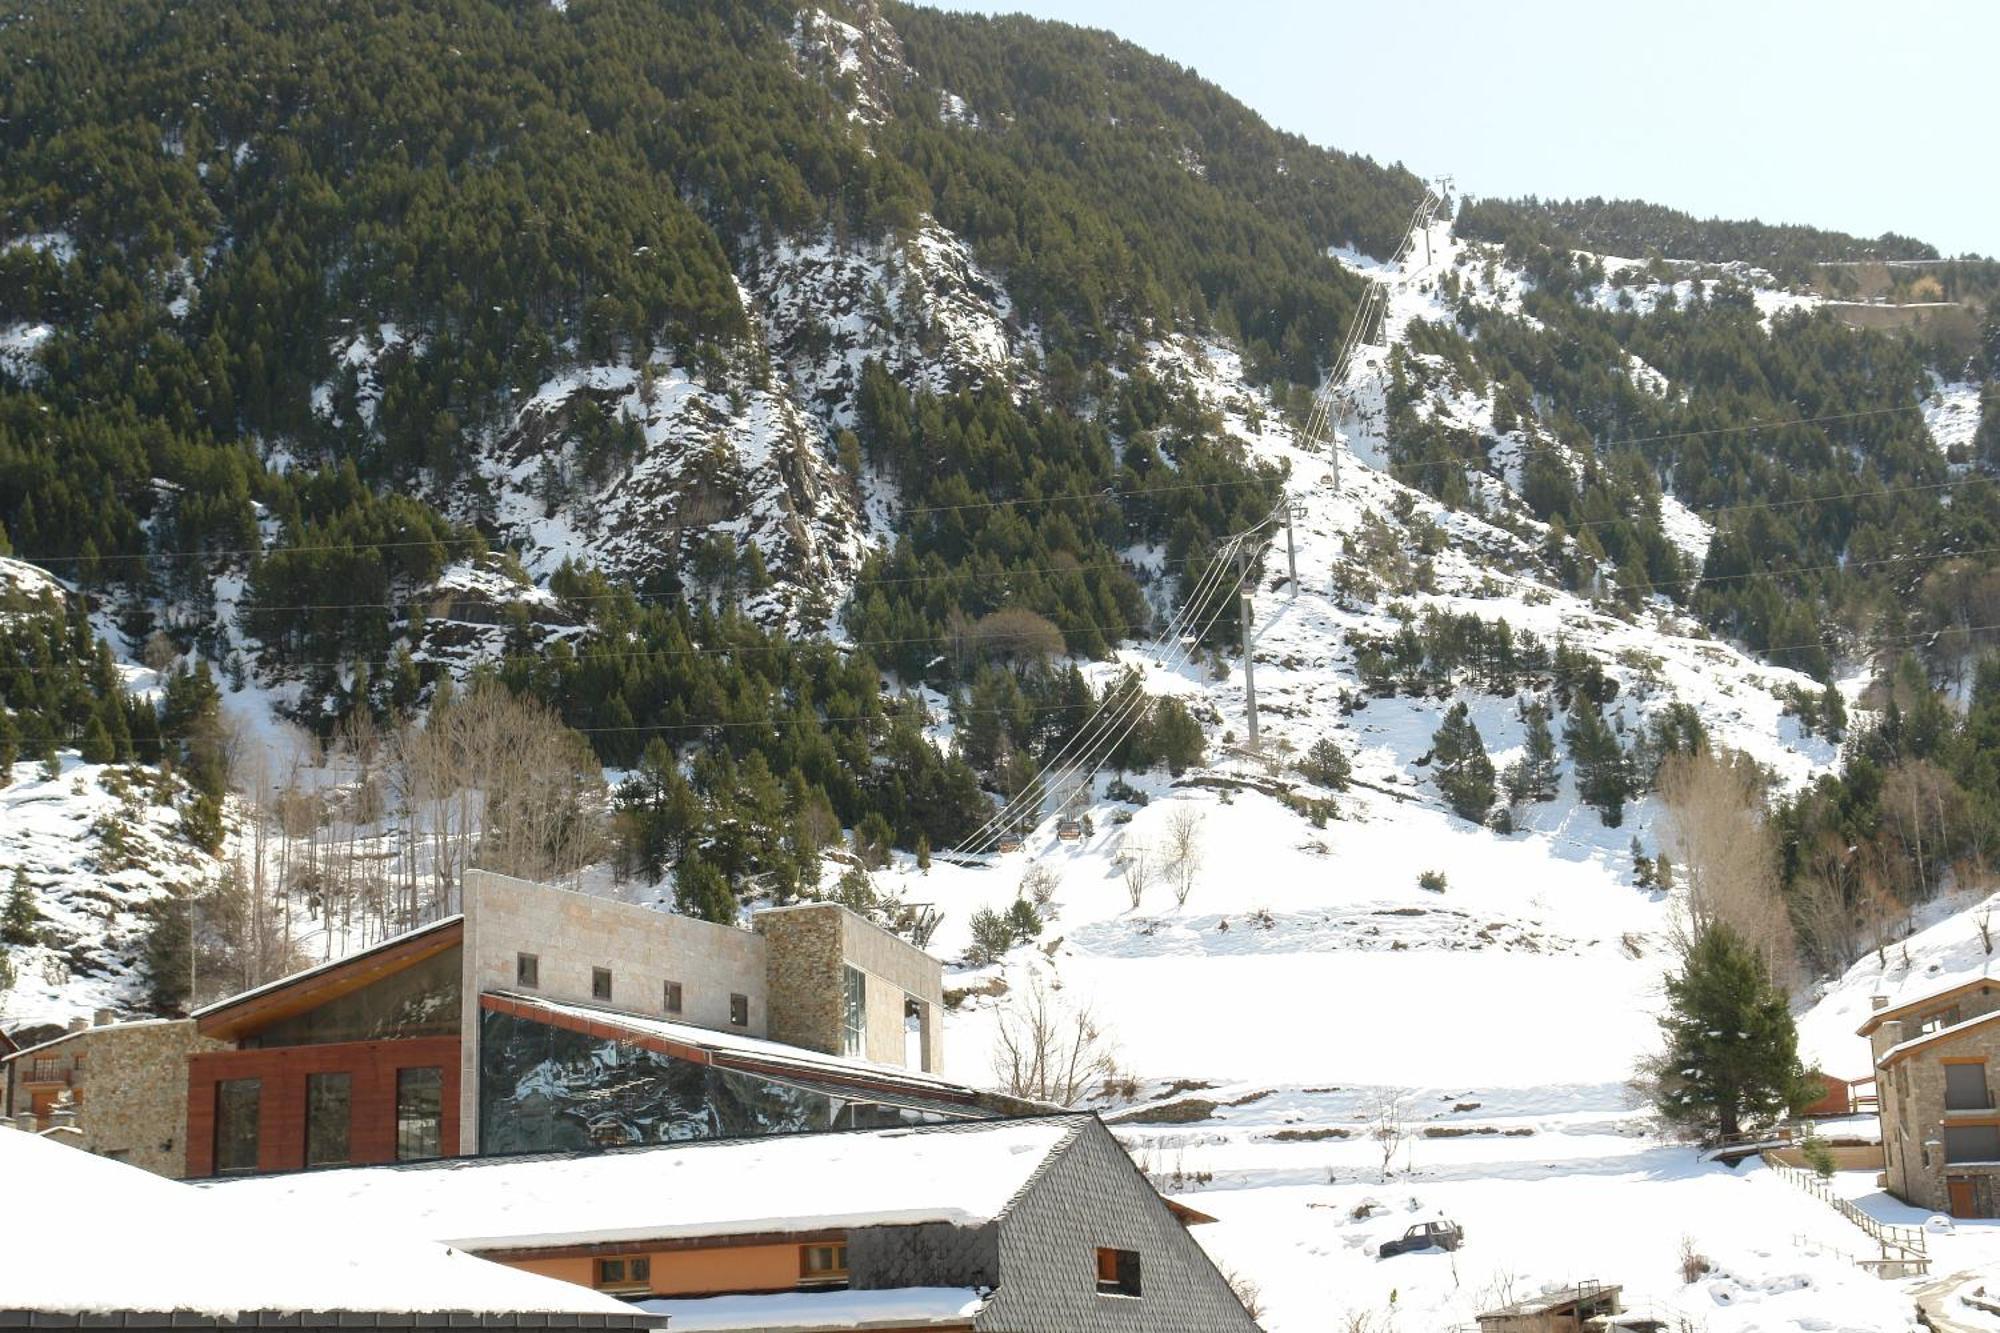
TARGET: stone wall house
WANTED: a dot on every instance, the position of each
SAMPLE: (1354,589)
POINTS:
(122,1087)
(1936,1060)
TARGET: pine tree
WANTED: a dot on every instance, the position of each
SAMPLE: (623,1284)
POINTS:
(1176,736)
(1327,765)
(1603,778)
(97,747)
(18,917)
(1732,1057)
(1535,775)
(700,890)
(169,950)
(1464,771)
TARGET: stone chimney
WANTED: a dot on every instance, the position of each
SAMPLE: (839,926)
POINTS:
(1878,1002)
(25,1122)
(79,1024)
(62,1116)
(104,1018)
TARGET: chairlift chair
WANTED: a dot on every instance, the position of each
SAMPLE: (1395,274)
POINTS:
(1070,830)
(1010,842)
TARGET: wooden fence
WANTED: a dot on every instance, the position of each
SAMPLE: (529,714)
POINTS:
(1905,1252)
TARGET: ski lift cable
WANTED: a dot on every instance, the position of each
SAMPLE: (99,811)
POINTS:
(1128,712)
(1181,619)
(1015,807)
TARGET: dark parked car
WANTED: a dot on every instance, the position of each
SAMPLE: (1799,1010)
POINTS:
(1425,1235)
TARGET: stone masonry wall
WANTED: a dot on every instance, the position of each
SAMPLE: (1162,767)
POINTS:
(132,1086)
(1912,1092)
(803,977)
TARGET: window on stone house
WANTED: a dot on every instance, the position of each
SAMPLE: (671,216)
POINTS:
(1965,1087)
(853,1012)
(527,970)
(1117,1272)
(823,1263)
(739,1010)
(1943,1018)
(670,999)
(600,983)
(1972,1143)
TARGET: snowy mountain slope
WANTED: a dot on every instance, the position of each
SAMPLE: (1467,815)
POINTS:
(99,847)
(1309,959)
(702,457)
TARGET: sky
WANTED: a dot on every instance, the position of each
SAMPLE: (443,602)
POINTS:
(1855,117)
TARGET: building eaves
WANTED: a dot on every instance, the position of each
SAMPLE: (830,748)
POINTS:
(1914,1044)
(1923,1002)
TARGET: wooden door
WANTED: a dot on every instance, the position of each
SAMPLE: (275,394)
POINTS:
(1963,1200)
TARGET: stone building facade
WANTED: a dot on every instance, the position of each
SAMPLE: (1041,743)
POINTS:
(1936,1060)
(122,1087)
(845,986)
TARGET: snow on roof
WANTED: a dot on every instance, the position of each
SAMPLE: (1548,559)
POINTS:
(733,1043)
(345,960)
(812,1311)
(1901,1049)
(8,1053)
(964,1173)
(199,1252)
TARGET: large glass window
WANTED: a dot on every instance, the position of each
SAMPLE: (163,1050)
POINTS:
(419,1001)
(544,1088)
(237,1103)
(853,1012)
(329,1101)
(419,1114)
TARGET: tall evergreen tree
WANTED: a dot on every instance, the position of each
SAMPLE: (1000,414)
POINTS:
(701,890)
(1464,770)
(1731,1060)
(18,917)
(1533,777)
(1603,777)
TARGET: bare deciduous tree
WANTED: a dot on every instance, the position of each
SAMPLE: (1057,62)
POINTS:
(499,781)
(1182,854)
(1047,1050)
(1138,872)
(1388,1123)
(1727,854)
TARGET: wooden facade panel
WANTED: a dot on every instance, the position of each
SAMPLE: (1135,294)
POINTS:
(281,1118)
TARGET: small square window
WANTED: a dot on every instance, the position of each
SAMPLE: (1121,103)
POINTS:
(823,1263)
(600,983)
(527,970)
(1117,1272)
(671,1000)
(739,1010)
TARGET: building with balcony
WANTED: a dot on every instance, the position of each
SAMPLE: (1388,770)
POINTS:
(1935,1062)
(541,1019)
